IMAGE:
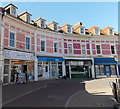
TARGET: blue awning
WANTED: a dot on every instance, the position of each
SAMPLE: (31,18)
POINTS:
(105,61)
(50,59)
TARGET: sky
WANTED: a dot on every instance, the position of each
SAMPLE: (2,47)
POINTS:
(99,14)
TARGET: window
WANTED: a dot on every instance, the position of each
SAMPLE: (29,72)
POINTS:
(112,49)
(96,31)
(12,39)
(81,30)
(98,49)
(28,18)
(42,45)
(27,43)
(69,29)
(83,49)
(13,11)
(55,47)
(55,27)
(42,23)
(77,68)
(69,48)
(110,31)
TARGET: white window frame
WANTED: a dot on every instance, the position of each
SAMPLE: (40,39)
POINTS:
(26,18)
(98,31)
(41,46)
(114,49)
(68,48)
(14,39)
(57,49)
(84,31)
(25,42)
(41,23)
(54,27)
(109,31)
(70,29)
(11,10)
(100,49)
(82,49)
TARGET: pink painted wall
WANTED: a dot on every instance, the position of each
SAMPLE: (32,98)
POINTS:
(77,51)
(6,32)
(76,46)
(65,51)
(88,46)
(106,52)
(20,37)
(65,45)
(105,46)
(5,42)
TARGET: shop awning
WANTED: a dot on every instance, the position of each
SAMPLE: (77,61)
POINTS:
(50,59)
(105,61)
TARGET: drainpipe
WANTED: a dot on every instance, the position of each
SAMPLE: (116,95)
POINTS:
(35,58)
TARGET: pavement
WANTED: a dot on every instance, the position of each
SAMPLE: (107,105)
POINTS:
(98,92)
(60,93)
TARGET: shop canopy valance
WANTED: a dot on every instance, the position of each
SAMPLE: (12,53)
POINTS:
(105,61)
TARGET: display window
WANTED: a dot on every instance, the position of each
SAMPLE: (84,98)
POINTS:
(49,69)
(113,69)
(12,68)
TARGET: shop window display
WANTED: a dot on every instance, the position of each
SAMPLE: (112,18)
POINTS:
(6,71)
(113,69)
(99,69)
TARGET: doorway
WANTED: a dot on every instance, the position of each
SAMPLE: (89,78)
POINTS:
(107,70)
(67,72)
(46,72)
(24,68)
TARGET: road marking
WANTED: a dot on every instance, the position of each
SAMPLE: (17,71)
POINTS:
(24,94)
(66,105)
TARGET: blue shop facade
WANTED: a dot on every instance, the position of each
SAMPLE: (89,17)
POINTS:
(50,67)
(105,67)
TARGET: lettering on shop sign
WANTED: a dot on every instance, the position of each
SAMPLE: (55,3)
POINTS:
(18,55)
(52,59)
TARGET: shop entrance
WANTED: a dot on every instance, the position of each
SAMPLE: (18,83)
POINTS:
(46,72)
(67,72)
(24,68)
(107,70)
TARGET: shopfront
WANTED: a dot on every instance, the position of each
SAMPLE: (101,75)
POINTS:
(49,67)
(16,62)
(105,66)
(78,68)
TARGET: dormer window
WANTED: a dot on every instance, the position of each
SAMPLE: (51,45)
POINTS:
(69,29)
(42,23)
(28,18)
(97,32)
(55,27)
(82,31)
(110,31)
(25,16)
(13,11)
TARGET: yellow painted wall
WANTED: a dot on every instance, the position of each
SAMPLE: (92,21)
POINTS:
(23,17)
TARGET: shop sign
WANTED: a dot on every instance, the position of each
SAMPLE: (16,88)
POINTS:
(49,59)
(9,54)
